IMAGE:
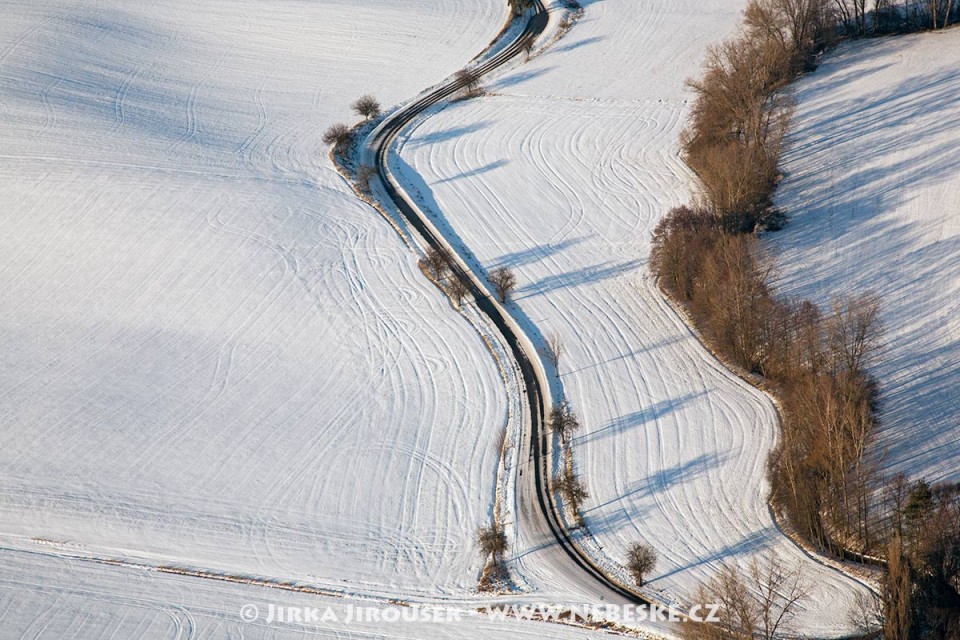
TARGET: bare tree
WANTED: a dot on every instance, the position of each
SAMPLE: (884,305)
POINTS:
(573,491)
(458,290)
(521,6)
(437,262)
(779,592)
(897,594)
(641,559)
(896,492)
(939,12)
(470,80)
(367,106)
(504,282)
(760,604)
(553,350)
(854,332)
(338,135)
(563,420)
(364,174)
(492,542)
(796,25)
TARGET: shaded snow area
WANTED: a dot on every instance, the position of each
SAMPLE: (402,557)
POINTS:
(214,355)
(872,189)
(560,173)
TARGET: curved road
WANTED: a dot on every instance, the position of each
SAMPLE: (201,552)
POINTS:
(545,520)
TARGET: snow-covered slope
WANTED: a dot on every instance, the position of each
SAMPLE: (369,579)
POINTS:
(213,354)
(872,189)
(44,597)
(560,173)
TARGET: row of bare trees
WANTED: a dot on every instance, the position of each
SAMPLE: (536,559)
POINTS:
(707,259)
(823,475)
(339,135)
(437,263)
(816,360)
(869,17)
(740,114)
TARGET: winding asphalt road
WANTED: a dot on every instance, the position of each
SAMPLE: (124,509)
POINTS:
(545,519)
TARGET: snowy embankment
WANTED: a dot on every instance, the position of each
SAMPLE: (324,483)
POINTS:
(560,173)
(872,189)
(214,355)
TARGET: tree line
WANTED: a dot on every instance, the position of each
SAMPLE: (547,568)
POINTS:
(824,475)
(876,17)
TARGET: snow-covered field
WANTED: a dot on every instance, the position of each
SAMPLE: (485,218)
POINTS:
(872,189)
(214,355)
(55,598)
(560,173)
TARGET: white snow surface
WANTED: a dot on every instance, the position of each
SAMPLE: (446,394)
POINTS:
(88,601)
(561,172)
(214,355)
(872,189)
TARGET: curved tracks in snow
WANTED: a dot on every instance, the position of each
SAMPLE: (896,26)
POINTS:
(525,355)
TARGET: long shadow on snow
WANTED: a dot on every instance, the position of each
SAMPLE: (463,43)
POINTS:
(659,482)
(624,356)
(518,77)
(580,43)
(748,546)
(535,254)
(479,171)
(850,215)
(637,419)
(437,137)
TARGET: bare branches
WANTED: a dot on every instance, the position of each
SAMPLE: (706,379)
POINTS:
(854,332)
(338,135)
(492,542)
(641,560)
(437,262)
(897,594)
(553,349)
(741,114)
(521,6)
(458,290)
(367,106)
(778,592)
(563,420)
(469,79)
(528,45)
(573,492)
(504,282)
(760,604)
